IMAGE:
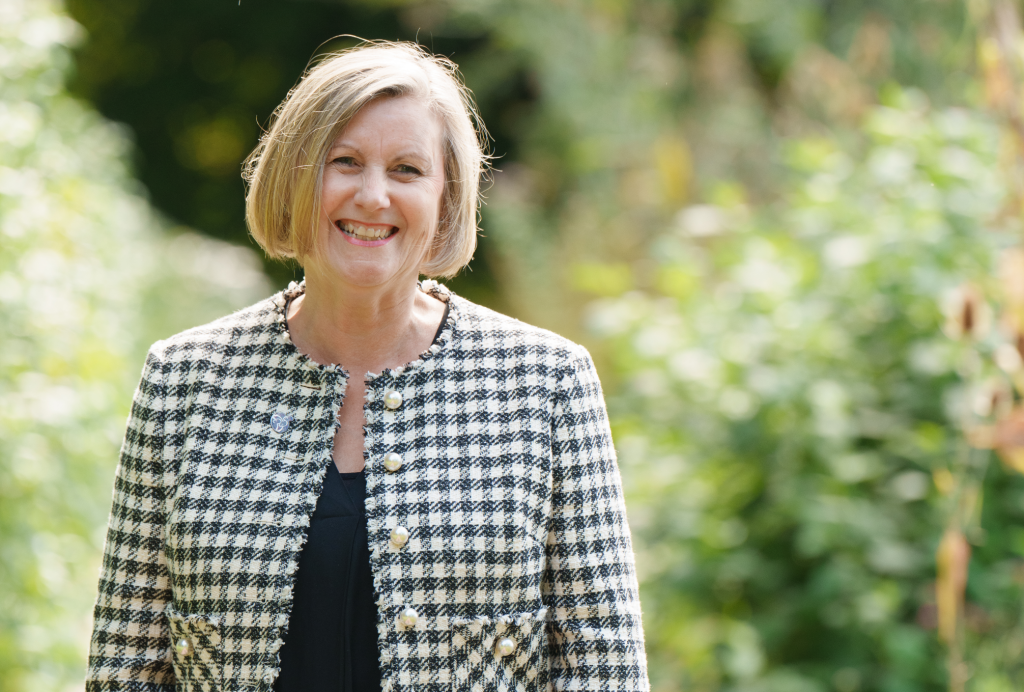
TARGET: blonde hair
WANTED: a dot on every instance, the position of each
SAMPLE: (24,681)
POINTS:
(285,171)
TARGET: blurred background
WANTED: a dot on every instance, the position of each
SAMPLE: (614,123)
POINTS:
(788,230)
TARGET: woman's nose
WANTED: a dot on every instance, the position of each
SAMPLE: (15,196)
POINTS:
(373,191)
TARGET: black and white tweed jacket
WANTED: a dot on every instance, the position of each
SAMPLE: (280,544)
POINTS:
(507,486)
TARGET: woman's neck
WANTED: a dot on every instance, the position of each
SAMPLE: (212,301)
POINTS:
(363,330)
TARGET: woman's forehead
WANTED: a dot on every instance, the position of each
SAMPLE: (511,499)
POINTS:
(394,124)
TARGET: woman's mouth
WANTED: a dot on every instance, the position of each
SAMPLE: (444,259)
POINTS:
(367,236)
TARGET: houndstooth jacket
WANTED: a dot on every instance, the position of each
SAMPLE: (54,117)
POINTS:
(505,483)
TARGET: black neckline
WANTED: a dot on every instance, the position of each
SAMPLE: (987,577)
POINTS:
(444,321)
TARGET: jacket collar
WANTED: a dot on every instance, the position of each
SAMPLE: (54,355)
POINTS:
(298,359)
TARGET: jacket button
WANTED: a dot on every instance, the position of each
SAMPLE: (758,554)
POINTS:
(393,400)
(392,462)
(183,647)
(399,536)
(505,646)
(408,618)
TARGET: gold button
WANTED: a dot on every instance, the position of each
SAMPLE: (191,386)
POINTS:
(506,645)
(392,462)
(393,400)
(399,536)
(408,618)
(183,647)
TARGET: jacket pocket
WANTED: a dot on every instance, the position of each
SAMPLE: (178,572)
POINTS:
(507,653)
(196,651)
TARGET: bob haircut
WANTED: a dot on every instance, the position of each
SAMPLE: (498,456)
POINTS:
(285,171)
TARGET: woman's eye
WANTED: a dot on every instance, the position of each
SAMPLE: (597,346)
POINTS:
(405,168)
(344,161)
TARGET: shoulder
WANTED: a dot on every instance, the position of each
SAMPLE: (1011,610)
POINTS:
(490,344)
(256,330)
(482,327)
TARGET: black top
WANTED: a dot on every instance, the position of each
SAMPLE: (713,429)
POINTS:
(331,643)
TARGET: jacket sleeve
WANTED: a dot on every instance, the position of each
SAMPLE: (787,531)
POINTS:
(596,636)
(130,647)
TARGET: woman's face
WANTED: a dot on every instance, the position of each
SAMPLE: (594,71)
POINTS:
(381,197)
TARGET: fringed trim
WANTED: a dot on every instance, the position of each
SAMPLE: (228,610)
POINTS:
(281,301)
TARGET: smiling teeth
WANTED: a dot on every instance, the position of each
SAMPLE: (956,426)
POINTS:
(364,233)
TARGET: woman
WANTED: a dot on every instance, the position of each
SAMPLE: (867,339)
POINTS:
(451,519)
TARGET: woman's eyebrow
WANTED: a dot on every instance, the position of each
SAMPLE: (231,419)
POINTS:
(414,155)
(339,144)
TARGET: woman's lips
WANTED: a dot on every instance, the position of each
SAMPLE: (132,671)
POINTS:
(365,236)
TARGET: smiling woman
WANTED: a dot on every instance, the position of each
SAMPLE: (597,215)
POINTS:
(366,482)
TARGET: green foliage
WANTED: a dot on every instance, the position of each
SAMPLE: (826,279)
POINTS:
(85,272)
(788,395)
(641,106)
